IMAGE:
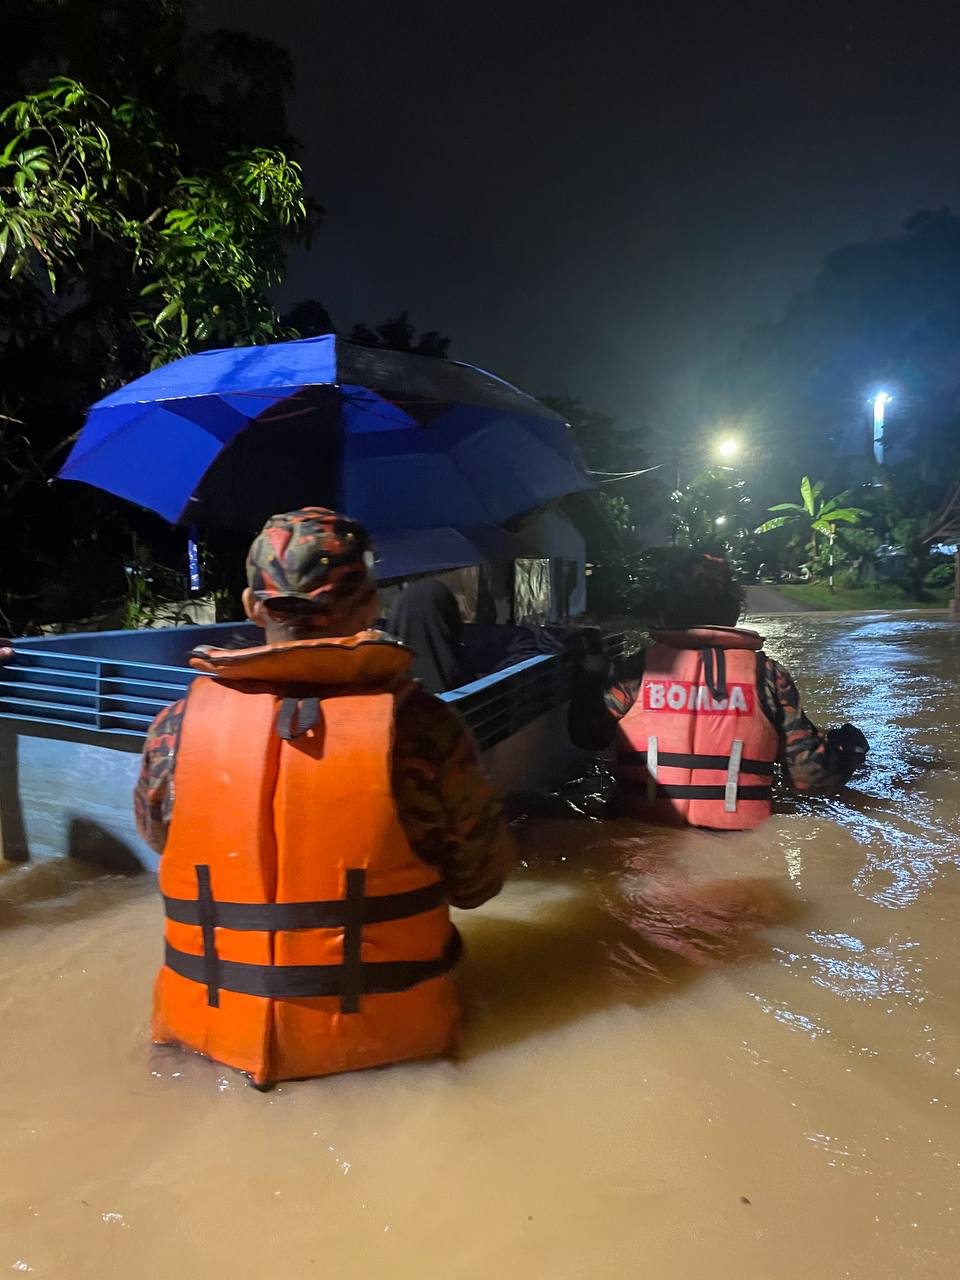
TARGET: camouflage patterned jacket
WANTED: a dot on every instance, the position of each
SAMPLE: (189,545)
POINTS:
(806,754)
(447,809)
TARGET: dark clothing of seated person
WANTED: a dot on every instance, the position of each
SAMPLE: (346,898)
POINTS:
(700,718)
(427,619)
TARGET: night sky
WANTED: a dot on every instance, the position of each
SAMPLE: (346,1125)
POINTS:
(602,199)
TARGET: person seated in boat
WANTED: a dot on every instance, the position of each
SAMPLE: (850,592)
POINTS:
(316,811)
(426,617)
(700,718)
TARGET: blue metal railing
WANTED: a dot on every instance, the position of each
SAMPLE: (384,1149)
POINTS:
(109,697)
(79,692)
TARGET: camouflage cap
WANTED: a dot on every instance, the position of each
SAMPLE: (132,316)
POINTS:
(313,555)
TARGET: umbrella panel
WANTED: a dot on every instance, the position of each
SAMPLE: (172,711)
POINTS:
(289,458)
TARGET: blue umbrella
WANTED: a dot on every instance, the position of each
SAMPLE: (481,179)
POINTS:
(223,439)
(406,552)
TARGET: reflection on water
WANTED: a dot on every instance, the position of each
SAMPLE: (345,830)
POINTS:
(687,1054)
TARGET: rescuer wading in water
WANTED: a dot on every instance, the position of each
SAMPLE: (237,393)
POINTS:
(316,811)
(700,718)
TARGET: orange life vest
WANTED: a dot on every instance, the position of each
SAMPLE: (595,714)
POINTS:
(303,935)
(697,745)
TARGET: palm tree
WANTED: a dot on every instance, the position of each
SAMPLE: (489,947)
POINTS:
(818,516)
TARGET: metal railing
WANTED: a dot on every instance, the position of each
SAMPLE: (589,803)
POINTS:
(98,694)
(104,696)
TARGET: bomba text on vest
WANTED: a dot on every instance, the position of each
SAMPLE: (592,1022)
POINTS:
(681,696)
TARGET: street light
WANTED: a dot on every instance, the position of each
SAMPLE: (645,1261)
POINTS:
(879,402)
(728,447)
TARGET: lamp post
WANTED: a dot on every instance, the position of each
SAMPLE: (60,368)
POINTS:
(879,402)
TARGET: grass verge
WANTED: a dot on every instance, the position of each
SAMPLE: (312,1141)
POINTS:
(875,596)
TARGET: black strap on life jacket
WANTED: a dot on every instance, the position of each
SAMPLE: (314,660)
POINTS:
(296,717)
(692,791)
(207,923)
(275,917)
(675,760)
(349,980)
(307,981)
(715,672)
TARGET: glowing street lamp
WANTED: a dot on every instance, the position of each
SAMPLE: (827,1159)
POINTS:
(728,447)
(879,402)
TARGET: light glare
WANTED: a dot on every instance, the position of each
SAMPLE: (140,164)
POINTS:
(880,402)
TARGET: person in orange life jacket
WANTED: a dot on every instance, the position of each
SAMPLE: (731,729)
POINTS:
(316,811)
(700,717)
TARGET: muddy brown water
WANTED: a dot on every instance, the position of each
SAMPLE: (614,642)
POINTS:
(687,1055)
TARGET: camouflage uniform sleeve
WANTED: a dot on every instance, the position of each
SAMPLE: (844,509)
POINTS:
(153,796)
(805,752)
(452,818)
(595,709)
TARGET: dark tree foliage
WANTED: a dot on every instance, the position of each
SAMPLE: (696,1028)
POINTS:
(609,450)
(147,204)
(603,446)
(310,318)
(215,92)
(883,314)
(398,334)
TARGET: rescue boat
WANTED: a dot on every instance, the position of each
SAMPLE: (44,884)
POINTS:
(74,711)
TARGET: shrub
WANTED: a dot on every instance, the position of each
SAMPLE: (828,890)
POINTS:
(940,576)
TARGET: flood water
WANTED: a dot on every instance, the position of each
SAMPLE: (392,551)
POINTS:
(687,1055)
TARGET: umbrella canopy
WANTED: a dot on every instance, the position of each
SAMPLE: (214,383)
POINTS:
(402,442)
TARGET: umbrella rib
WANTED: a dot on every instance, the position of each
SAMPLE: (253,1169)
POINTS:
(281,417)
(359,403)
